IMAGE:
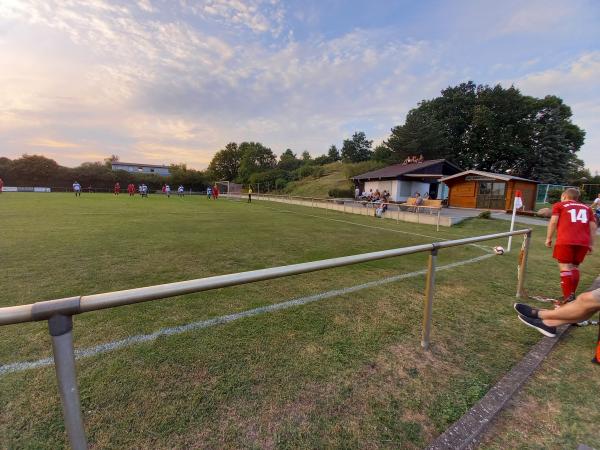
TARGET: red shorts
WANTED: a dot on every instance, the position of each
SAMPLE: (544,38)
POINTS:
(570,254)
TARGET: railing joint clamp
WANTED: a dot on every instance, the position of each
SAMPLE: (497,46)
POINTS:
(63,306)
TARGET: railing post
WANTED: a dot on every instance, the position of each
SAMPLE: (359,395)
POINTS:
(61,330)
(523,266)
(428,301)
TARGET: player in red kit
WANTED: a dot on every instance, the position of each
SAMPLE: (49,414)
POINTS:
(575,228)
(117,188)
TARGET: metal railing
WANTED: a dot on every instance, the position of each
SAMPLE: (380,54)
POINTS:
(59,313)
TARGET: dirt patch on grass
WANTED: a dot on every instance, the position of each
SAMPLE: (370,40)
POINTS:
(382,404)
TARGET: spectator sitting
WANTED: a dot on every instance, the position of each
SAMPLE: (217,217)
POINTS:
(381,209)
(418,199)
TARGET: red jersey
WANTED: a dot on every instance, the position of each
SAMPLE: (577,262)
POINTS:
(573,223)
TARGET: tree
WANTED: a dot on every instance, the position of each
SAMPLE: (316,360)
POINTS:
(422,134)
(382,153)
(552,158)
(5,168)
(288,161)
(108,162)
(357,149)
(322,160)
(306,156)
(225,165)
(33,170)
(255,158)
(333,153)
(189,178)
(492,129)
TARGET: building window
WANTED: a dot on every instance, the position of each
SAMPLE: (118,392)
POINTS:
(489,188)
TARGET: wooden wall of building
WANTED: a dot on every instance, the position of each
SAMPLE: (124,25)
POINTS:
(528,192)
(463,194)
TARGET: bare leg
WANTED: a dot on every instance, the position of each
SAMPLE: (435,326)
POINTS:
(563,267)
(582,308)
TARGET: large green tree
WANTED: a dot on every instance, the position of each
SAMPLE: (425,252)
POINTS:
(333,154)
(225,165)
(357,149)
(493,129)
(255,158)
(288,161)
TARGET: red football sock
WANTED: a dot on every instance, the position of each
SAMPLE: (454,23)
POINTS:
(597,355)
(566,283)
(575,278)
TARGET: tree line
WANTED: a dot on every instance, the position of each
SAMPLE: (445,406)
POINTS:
(37,170)
(481,127)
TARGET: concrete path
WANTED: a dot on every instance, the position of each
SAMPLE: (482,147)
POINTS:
(521,219)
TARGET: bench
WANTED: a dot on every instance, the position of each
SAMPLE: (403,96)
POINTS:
(428,204)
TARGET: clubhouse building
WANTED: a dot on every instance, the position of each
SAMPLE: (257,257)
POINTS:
(486,190)
(404,180)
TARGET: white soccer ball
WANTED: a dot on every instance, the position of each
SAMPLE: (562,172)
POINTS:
(499,250)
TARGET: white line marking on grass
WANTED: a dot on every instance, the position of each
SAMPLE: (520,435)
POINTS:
(437,238)
(127,342)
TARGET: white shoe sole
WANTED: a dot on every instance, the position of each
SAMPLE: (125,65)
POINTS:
(544,332)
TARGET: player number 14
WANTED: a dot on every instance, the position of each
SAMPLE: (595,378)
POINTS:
(578,215)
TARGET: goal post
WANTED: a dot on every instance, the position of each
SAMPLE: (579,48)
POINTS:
(229,189)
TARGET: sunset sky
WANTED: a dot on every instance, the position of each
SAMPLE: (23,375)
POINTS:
(174,81)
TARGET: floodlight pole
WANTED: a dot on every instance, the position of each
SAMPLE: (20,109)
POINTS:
(61,330)
(428,304)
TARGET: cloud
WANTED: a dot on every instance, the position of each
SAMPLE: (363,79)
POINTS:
(567,79)
(576,82)
(537,16)
(176,81)
(130,83)
(259,16)
(51,143)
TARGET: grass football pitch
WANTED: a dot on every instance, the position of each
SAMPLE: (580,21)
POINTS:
(342,371)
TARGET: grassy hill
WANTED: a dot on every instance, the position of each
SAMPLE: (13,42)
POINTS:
(336,176)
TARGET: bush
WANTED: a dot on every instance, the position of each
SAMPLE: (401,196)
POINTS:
(554,195)
(318,172)
(280,183)
(341,193)
(485,215)
(308,170)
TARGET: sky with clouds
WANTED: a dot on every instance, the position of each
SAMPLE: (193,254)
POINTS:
(173,81)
